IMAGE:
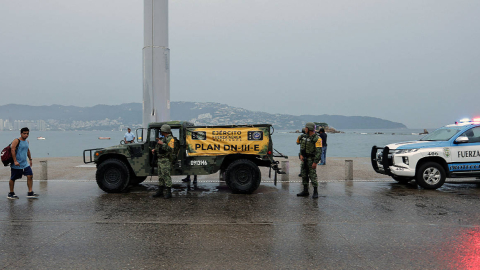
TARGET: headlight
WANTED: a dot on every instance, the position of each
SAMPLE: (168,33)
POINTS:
(406,151)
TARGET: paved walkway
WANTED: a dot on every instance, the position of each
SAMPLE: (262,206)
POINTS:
(369,223)
(353,225)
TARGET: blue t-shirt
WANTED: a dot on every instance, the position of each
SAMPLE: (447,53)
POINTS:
(129,136)
(21,154)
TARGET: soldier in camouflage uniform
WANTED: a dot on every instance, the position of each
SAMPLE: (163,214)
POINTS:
(164,151)
(310,152)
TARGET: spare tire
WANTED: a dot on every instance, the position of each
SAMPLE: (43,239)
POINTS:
(243,176)
(112,176)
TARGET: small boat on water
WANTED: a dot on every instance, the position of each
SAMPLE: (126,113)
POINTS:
(104,138)
(40,138)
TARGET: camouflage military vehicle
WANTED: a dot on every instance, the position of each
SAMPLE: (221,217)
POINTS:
(236,151)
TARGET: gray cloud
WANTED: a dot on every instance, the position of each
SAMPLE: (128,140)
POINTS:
(408,61)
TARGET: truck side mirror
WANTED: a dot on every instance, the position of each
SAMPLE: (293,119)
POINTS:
(461,139)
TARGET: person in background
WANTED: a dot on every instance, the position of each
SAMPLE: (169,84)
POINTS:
(20,165)
(323,135)
(129,137)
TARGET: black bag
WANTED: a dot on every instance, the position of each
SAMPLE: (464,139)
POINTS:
(7,154)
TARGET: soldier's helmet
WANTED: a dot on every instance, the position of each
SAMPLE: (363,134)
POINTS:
(166,128)
(310,126)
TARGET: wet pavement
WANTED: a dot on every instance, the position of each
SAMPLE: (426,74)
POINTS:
(353,225)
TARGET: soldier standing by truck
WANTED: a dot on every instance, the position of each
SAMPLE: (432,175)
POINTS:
(310,152)
(164,150)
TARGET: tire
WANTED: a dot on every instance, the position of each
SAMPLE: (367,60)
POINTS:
(112,176)
(243,176)
(402,179)
(430,175)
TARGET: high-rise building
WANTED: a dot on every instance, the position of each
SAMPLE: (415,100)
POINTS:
(17,124)
(29,124)
(41,125)
(7,125)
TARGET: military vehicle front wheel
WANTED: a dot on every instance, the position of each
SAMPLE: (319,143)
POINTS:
(243,176)
(430,175)
(112,176)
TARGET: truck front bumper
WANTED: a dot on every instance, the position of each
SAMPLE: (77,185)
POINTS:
(385,162)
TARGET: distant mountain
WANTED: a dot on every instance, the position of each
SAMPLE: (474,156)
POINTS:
(207,113)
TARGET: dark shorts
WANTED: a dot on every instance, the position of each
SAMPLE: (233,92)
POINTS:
(17,173)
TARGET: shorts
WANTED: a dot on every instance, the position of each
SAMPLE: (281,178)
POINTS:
(17,173)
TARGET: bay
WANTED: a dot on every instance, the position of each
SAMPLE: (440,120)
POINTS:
(352,143)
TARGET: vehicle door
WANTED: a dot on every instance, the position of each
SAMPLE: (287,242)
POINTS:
(153,137)
(466,155)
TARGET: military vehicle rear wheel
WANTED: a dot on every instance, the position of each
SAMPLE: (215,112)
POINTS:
(243,176)
(112,176)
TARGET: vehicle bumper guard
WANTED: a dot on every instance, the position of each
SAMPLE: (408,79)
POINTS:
(383,160)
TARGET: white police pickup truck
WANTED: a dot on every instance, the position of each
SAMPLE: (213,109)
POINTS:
(450,151)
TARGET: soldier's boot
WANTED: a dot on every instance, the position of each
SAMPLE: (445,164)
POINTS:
(315,193)
(168,194)
(304,193)
(186,179)
(194,179)
(159,192)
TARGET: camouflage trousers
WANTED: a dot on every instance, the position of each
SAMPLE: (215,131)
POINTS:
(164,168)
(309,172)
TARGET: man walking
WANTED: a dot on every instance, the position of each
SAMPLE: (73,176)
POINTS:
(323,136)
(164,150)
(310,151)
(21,166)
(129,137)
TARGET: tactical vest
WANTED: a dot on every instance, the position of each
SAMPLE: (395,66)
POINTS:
(308,145)
(166,150)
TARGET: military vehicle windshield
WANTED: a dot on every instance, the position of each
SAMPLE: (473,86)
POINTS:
(155,133)
(442,134)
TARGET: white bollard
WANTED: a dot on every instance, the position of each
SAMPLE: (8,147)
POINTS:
(348,169)
(43,171)
(285,166)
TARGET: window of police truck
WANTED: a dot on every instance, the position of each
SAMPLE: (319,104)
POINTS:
(473,135)
(442,134)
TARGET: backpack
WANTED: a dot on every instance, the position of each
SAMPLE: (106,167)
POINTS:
(7,154)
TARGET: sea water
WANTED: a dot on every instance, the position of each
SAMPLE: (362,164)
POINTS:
(351,143)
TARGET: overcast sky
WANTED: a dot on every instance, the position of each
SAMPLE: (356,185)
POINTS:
(411,61)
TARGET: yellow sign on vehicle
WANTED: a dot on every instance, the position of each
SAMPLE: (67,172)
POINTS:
(225,141)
